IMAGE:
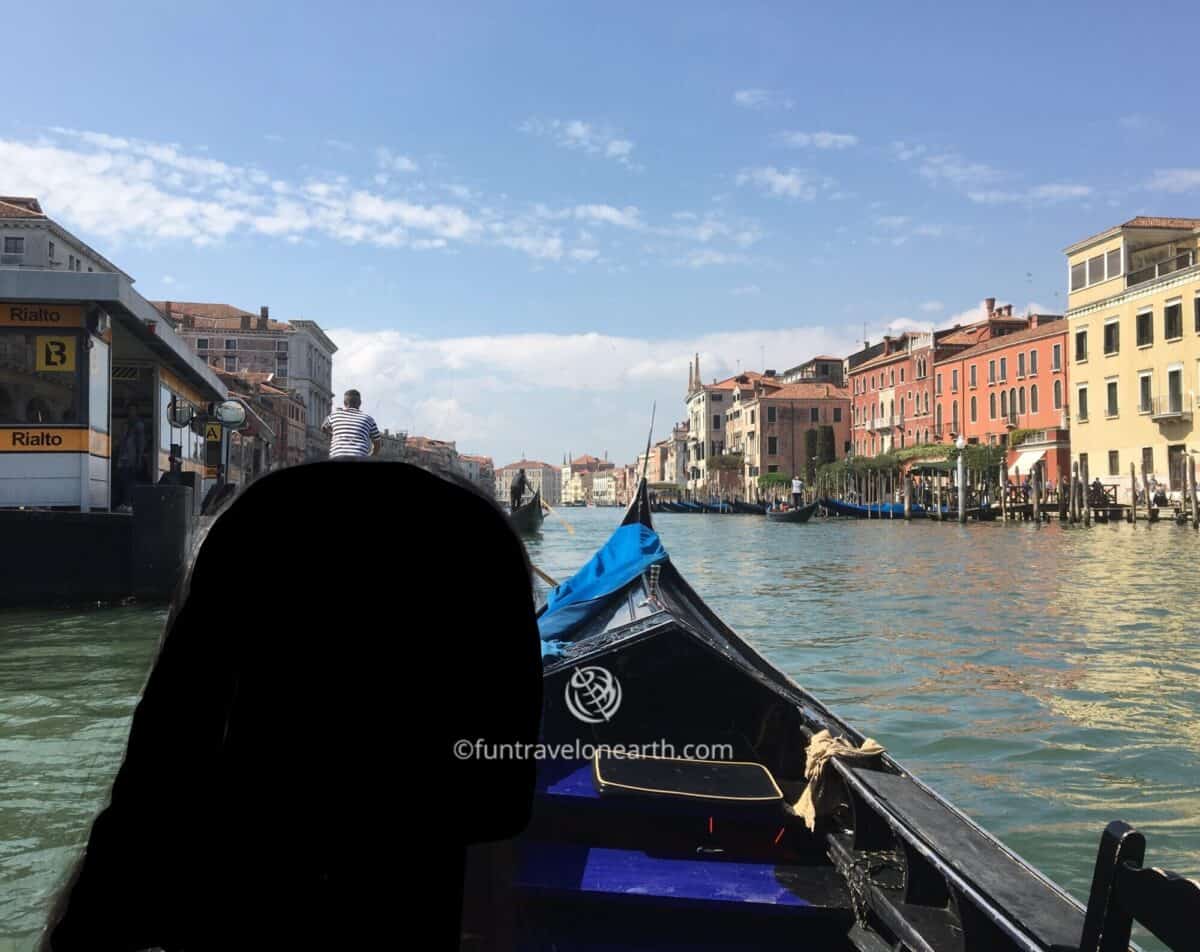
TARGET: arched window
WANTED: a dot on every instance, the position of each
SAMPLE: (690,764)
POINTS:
(937,418)
(1003,403)
(1033,408)
(891,408)
(1022,401)
(1012,402)
(973,417)
(954,415)
(926,401)
(1058,395)
(992,406)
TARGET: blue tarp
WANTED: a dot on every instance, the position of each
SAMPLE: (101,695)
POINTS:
(626,555)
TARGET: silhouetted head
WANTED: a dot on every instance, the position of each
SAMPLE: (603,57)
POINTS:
(352,399)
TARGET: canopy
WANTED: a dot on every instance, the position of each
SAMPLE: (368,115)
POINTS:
(1025,462)
(627,554)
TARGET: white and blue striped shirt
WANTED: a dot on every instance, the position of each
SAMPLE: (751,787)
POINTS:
(352,431)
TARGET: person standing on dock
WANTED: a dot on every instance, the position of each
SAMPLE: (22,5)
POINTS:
(516,492)
(797,491)
(130,453)
(353,433)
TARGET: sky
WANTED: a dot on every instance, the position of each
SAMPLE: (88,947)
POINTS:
(519,221)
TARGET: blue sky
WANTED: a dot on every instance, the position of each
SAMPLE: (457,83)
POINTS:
(518,221)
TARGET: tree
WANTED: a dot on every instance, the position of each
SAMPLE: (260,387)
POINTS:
(810,455)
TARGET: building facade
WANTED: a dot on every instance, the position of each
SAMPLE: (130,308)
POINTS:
(1134,338)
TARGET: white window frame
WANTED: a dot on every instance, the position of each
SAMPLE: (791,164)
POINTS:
(1145,375)
(1056,359)
(1103,343)
(1078,402)
(1167,304)
(1109,381)
(1142,311)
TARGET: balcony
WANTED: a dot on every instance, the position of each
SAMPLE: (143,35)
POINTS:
(881,423)
(1172,408)
(1155,271)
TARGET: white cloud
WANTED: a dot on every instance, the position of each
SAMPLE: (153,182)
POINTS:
(627,217)
(1174,180)
(892,221)
(704,257)
(168,279)
(932,307)
(761,99)
(584,254)
(476,390)
(588,137)
(793,183)
(394,162)
(901,325)
(1050,194)
(819,140)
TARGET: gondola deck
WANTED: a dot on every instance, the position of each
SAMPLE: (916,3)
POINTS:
(645,855)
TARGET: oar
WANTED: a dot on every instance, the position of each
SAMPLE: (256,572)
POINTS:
(543,576)
(554,512)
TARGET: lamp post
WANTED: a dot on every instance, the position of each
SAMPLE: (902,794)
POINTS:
(961,444)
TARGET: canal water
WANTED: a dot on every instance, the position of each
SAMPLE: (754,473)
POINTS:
(1044,679)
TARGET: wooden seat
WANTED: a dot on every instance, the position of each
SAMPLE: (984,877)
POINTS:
(1123,892)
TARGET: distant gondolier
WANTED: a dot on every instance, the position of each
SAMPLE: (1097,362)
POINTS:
(352,432)
(517,490)
(797,490)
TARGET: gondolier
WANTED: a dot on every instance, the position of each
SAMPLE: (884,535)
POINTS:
(517,491)
(352,432)
(797,490)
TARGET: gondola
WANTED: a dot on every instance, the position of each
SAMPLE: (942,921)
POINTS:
(874,510)
(750,508)
(639,841)
(528,517)
(795,514)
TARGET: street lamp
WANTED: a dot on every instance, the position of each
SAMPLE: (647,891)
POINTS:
(961,444)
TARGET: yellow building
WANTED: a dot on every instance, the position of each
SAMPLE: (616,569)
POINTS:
(1133,308)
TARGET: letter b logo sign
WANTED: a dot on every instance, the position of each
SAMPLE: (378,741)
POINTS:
(56,354)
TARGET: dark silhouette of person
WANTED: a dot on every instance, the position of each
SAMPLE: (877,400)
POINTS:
(516,492)
(291,778)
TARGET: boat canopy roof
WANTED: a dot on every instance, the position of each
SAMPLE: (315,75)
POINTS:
(626,555)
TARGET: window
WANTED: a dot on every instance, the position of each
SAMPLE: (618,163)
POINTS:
(991,371)
(1196,314)
(281,345)
(938,385)
(1033,401)
(1033,363)
(716,421)
(1056,357)
(1114,262)
(954,415)
(202,343)
(1081,407)
(892,378)
(1145,392)
(1173,320)
(1080,345)
(926,401)
(902,375)
(1058,395)
(772,446)
(1004,403)
(771,411)
(1095,269)
(814,414)
(772,469)
(1111,408)
(718,397)
(50,396)
(52,252)
(1078,276)
(1083,464)
(1114,463)
(973,407)
(954,381)
(1175,390)
(1003,369)
(837,414)
(1020,366)
(1022,401)
(231,365)
(1147,460)
(1112,337)
(1145,328)
(14,246)
(230,343)
(992,406)
(974,381)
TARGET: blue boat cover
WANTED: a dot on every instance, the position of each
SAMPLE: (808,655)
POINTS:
(627,554)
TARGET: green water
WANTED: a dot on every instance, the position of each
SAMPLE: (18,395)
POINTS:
(1045,680)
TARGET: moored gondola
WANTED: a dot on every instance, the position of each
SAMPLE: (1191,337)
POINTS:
(528,517)
(691,795)
(794,514)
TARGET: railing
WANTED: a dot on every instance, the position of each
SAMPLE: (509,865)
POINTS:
(1142,275)
(1174,406)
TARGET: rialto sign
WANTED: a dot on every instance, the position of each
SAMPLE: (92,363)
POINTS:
(41,315)
(43,440)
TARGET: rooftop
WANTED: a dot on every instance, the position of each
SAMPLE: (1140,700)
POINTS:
(214,317)
(1141,221)
(526,464)
(14,206)
(807,391)
(1048,326)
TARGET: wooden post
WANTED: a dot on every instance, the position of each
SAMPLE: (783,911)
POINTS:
(1150,507)
(1035,481)
(1087,507)
(908,497)
(1192,486)
(1133,494)
(1074,492)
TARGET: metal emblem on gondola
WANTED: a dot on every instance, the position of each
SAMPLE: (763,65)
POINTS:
(593,694)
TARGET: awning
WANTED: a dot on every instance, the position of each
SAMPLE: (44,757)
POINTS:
(1025,462)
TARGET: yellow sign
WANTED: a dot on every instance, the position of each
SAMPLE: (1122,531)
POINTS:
(41,315)
(212,432)
(37,439)
(56,354)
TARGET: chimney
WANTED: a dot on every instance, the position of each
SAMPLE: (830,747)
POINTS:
(768,373)
(989,306)
(1008,310)
(167,310)
(1033,321)
(245,322)
(264,317)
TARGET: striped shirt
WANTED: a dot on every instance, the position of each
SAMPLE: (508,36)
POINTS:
(352,432)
